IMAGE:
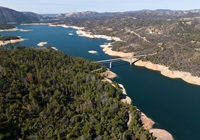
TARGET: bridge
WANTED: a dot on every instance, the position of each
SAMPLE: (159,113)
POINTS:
(121,59)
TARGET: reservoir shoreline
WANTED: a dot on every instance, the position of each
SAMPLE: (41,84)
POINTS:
(160,134)
(168,102)
(148,123)
(2,43)
(14,29)
(164,70)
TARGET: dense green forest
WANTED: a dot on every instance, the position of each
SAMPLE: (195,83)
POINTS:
(45,94)
(6,26)
(6,38)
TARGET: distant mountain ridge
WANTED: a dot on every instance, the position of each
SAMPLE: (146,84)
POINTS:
(86,14)
(9,15)
(141,13)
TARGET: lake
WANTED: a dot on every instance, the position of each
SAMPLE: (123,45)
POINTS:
(173,104)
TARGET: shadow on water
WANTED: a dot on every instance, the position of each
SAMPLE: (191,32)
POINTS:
(119,64)
(124,63)
(171,103)
(138,60)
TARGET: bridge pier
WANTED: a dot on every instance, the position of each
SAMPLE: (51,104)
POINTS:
(130,61)
(110,66)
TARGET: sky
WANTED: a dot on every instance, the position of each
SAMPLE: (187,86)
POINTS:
(65,6)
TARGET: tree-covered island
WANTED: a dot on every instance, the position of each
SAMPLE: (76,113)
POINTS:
(4,26)
(8,38)
(7,27)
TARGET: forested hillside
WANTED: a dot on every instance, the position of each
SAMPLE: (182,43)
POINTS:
(45,94)
(6,26)
(173,35)
(9,16)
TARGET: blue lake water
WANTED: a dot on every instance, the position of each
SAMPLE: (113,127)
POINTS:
(173,104)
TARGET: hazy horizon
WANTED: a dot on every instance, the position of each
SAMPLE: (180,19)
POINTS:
(62,6)
(110,11)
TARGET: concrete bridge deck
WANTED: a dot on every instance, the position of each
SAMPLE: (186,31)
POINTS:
(121,59)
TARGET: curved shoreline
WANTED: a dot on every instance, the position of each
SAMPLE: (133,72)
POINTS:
(109,74)
(107,48)
(127,99)
(41,44)
(9,30)
(80,32)
(148,123)
(65,26)
(14,29)
(2,43)
(185,76)
(160,134)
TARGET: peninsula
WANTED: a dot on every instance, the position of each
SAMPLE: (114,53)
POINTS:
(4,40)
(172,35)
(42,88)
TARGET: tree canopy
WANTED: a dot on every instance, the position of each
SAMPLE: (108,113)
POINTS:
(45,94)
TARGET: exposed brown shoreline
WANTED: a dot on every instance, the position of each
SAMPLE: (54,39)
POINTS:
(9,30)
(107,48)
(41,44)
(160,134)
(2,43)
(148,123)
(14,29)
(186,76)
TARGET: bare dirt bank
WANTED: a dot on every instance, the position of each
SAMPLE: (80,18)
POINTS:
(109,74)
(186,76)
(41,44)
(9,30)
(160,134)
(80,32)
(148,123)
(127,99)
(2,43)
(107,48)
(65,26)
(14,29)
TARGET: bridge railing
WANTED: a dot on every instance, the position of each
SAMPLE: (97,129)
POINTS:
(120,59)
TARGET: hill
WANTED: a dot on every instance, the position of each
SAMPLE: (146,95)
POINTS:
(45,94)
(173,35)
(86,15)
(8,16)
